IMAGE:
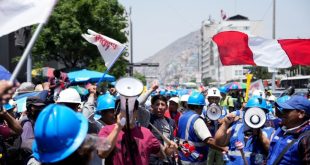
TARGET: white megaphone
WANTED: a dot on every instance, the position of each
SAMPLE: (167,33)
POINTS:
(214,112)
(255,117)
(129,89)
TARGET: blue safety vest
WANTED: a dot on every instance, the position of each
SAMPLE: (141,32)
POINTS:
(187,133)
(253,149)
(279,143)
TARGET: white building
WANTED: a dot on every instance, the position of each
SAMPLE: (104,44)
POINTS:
(212,67)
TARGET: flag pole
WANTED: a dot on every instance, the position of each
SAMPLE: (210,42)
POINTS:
(108,69)
(26,52)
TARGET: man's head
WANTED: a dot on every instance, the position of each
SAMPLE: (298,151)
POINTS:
(294,111)
(106,108)
(159,105)
(34,106)
(173,104)
(57,73)
(223,91)
(196,101)
(214,95)
(71,98)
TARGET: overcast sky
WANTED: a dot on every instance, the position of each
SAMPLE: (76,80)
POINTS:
(157,23)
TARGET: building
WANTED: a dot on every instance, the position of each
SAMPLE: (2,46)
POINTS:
(211,66)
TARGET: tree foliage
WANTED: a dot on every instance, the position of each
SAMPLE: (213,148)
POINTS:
(140,76)
(61,38)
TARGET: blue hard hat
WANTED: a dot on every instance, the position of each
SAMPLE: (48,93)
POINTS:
(283,99)
(8,107)
(196,98)
(223,90)
(256,101)
(105,102)
(58,132)
(162,92)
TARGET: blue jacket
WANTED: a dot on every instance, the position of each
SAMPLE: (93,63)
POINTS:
(280,141)
(253,149)
(187,133)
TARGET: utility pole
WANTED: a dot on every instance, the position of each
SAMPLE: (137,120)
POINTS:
(274,37)
(131,43)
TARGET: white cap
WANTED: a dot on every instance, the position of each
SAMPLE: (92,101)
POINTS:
(259,93)
(69,95)
(185,98)
(174,99)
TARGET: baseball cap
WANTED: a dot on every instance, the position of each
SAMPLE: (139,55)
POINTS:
(174,99)
(295,102)
(36,101)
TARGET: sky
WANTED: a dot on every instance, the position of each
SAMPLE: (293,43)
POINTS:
(158,23)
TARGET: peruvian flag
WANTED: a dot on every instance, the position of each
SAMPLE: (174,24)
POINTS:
(237,48)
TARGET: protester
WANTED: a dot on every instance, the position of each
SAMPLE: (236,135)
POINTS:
(290,143)
(133,149)
(183,103)
(246,145)
(194,132)
(213,97)
(57,84)
(164,124)
(60,137)
(173,113)
(70,98)
(33,107)
(226,100)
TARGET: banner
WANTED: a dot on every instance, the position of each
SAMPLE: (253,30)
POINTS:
(15,14)
(109,48)
(256,85)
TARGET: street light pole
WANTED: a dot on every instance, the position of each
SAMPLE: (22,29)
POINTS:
(131,43)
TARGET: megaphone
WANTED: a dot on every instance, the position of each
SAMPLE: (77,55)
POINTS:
(255,117)
(129,89)
(214,112)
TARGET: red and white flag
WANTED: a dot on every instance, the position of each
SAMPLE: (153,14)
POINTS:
(109,48)
(237,48)
(15,14)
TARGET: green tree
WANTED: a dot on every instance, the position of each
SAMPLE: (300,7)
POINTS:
(140,76)
(61,38)
(260,73)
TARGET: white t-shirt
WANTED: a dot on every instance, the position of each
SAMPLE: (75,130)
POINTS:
(201,129)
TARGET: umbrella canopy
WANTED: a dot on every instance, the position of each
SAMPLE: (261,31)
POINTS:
(4,74)
(46,72)
(235,85)
(85,75)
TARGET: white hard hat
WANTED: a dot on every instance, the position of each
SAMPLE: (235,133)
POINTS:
(259,93)
(272,98)
(174,99)
(214,92)
(69,95)
(185,98)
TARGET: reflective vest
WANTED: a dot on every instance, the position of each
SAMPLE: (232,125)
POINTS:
(187,133)
(279,143)
(253,149)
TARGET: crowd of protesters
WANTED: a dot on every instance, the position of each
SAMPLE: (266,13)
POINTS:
(59,125)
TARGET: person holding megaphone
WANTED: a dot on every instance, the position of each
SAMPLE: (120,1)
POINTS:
(193,133)
(248,140)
